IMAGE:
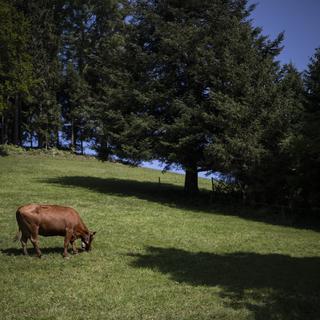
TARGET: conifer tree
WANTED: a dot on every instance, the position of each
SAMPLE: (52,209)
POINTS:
(274,179)
(122,128)
(16,76)
(77,45)
(76,109)
(42,114)
(309,152)
(209,84)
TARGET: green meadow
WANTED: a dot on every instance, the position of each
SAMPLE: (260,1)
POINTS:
(156,255)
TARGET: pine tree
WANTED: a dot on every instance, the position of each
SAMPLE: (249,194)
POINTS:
(309,150)
(274,179)
(210,84)
(76,108)
(122,128)
(77,46)
(16,76)
(42,114)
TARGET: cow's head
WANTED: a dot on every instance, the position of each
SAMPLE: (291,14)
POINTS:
(87,241)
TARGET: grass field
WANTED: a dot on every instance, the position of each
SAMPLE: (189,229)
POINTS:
(156,255)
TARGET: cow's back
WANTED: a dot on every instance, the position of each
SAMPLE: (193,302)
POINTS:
(49,219)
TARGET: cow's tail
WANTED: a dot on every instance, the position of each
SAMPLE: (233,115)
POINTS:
(17,237)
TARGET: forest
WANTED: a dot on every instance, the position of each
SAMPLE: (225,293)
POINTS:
(192,84)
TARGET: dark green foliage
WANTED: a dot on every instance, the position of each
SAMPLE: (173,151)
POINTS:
(77,45)
(16,76)
(308,148)
(76,108)
(43,115)
(273,179)
(210,84)
(123,127)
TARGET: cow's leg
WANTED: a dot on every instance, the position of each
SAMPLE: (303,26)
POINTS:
(24,240)
(67,240)
(25,235)
(35,241)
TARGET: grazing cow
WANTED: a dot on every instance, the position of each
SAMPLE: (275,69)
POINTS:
(51,220)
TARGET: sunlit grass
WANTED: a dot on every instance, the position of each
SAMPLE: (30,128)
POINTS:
(157,255)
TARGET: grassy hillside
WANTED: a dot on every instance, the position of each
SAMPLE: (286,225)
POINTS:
(156,254)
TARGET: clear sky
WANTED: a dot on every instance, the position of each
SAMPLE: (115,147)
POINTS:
(299,19)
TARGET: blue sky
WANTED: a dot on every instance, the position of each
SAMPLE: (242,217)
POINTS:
(300,19)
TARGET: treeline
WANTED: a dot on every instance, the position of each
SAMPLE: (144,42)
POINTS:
(191,83)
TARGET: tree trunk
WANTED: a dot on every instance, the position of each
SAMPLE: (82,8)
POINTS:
(57,140)
(40,140)
(81,145)
(2,129)
(5,131)
(191,181)
(16,135)
(73,136)
(46,139)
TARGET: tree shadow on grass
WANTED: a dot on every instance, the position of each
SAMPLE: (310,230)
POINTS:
(271,286)
(174,196)
(165,194)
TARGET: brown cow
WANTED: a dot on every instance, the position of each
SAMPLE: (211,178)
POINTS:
(51,220)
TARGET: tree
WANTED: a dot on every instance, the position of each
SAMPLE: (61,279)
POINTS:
(122,128)
(16,76)
(274,178)
(76,108)
(308,146)
(207,84)
(42,113)
(78,44)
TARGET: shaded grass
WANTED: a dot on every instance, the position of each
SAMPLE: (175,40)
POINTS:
(277,284)
(156,255)
(173,195)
